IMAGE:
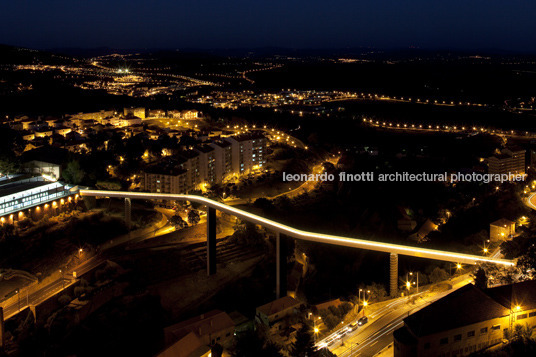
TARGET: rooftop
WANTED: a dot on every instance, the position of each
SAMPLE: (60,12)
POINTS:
(520,294)
(204,324)
(503,222)
(18,186)
(165,167)
(470,304)
(278,305)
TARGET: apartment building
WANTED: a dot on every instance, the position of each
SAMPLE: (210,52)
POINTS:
(207,164)
(249,152)
(165,177)
(466,321)
(224,158)
(509,161)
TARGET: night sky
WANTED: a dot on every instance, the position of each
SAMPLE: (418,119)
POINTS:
(436,24)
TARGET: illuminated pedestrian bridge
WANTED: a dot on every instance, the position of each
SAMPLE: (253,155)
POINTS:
(287,231)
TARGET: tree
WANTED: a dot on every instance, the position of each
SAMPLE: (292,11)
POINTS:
(528,260)
(8,166)
(108,185)
(193,217)
(73,173)
(438,275)
(7,232)
(331,321)
(264,203)
(481,280)
(520,333)
(248,235)
(377,292)
(216,350)
(251,344)
(304,345)
(178,222)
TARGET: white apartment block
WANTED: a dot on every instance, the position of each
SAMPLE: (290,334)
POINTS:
(207,164)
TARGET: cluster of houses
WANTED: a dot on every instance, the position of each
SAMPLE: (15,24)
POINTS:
(72,131)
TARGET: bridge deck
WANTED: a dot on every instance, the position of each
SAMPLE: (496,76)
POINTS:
(308,236)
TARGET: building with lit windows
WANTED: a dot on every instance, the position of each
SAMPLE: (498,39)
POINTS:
(165,177)
(249,152)
(466,321)
(510,161)
(206,164)
(224,158)
(137,112)
(190,114)
(22,196)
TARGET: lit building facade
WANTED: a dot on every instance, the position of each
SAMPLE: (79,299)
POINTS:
(466,321)
(33,196)
(501,229)
(207,164)
(249,152)
(509,161)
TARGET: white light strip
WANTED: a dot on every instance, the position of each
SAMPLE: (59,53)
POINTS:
(529,201)
(309,236)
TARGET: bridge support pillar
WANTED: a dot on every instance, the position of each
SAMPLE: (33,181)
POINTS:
(2,332)
(211,241)
(393,275)
(280,265)
(128,212)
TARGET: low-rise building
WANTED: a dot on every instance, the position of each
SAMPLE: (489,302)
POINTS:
(501,229)
(23,196)
(213,327)
(268,314)
(137,112)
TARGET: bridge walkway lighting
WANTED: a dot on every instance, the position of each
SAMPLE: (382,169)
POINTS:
(427,253)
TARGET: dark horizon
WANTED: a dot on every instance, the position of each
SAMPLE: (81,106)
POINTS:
(275,50)
(313,24)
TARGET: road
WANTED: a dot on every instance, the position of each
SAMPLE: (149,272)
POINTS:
(68,278)
(377,334)
(53,288)
(307,186)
